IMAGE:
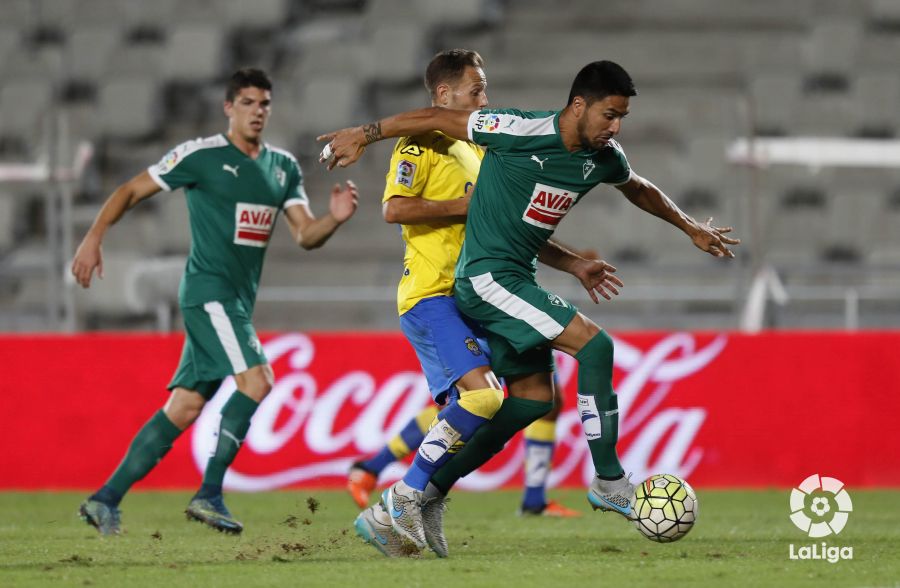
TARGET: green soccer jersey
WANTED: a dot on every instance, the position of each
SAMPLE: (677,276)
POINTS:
(233,202)
(527,183)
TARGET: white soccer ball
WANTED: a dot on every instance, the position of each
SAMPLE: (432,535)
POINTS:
(665,508)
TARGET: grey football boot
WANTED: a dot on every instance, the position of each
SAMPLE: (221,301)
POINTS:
(103,517)
(213,512)
(433,519)
(373,525)
(613,495)
(403,504)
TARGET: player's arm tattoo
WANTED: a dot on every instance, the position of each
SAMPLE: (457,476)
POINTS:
(372,132)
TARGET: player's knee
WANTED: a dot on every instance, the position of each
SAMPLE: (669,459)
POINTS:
(257,382)
(183,407)
(483,403)
(598,351)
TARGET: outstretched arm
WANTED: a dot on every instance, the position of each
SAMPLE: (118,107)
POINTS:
(643,194)
(310,232)
(595,275)
(347,145)
(89,255)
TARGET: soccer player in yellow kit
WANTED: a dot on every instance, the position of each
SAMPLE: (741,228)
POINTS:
(427,191)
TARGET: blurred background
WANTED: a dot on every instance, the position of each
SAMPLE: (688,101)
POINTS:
(777,117)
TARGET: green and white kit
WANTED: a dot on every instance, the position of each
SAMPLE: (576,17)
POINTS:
(233,201)
(527,184)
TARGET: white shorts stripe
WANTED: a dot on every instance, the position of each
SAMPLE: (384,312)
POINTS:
(226,334)
(502,299)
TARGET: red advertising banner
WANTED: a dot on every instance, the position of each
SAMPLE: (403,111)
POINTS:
(720,409)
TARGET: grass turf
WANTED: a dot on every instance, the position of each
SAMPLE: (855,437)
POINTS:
(741,539)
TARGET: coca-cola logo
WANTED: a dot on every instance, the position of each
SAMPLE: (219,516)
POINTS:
(309,430)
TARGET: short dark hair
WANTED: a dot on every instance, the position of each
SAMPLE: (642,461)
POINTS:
(247,77)
(600,79)
(447,66)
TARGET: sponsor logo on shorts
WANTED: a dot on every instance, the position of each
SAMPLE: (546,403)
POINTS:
(253,224)
(548,206)
(406,172)
(472,346)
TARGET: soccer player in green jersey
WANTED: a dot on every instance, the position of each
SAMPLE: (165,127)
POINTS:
(235,186)
(537,167)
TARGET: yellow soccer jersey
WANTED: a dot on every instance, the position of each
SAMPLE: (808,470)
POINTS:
(432,166)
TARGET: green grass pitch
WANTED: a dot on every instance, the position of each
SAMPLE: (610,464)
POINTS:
(742,539)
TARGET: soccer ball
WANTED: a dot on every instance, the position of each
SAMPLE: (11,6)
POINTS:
(665,508)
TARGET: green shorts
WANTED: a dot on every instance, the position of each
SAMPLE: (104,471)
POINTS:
(521,319)
(219,341)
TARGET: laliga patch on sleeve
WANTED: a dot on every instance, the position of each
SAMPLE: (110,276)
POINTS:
(406,173)
(168,162)
(488,122)
(590,416)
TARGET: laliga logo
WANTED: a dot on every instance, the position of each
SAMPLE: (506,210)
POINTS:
(820,507)
(827,504)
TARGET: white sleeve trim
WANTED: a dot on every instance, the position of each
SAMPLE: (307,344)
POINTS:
(294,202)
(154,173)
(470,126)
(622,183)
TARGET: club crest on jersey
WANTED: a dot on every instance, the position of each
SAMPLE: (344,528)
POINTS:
(548,206)
(253,224)
(588,167)
(280,176)
(406,172)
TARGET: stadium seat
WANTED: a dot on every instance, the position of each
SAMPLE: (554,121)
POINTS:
(875,98)
(9,221)
(89,53)
(884,12)
(24,104)
(833,47)
(326,104)
(879,51)
(129,108)
(259,14)
(9,41)
(885,247)
(24,61)
(774,100)
(796,231)
(399,54)
(194,54)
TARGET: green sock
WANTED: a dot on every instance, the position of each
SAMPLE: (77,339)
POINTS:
(514,415)
(598,405)
(149,446)
(235,423)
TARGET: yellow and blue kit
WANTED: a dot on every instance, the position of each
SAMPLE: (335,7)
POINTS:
(433,166)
